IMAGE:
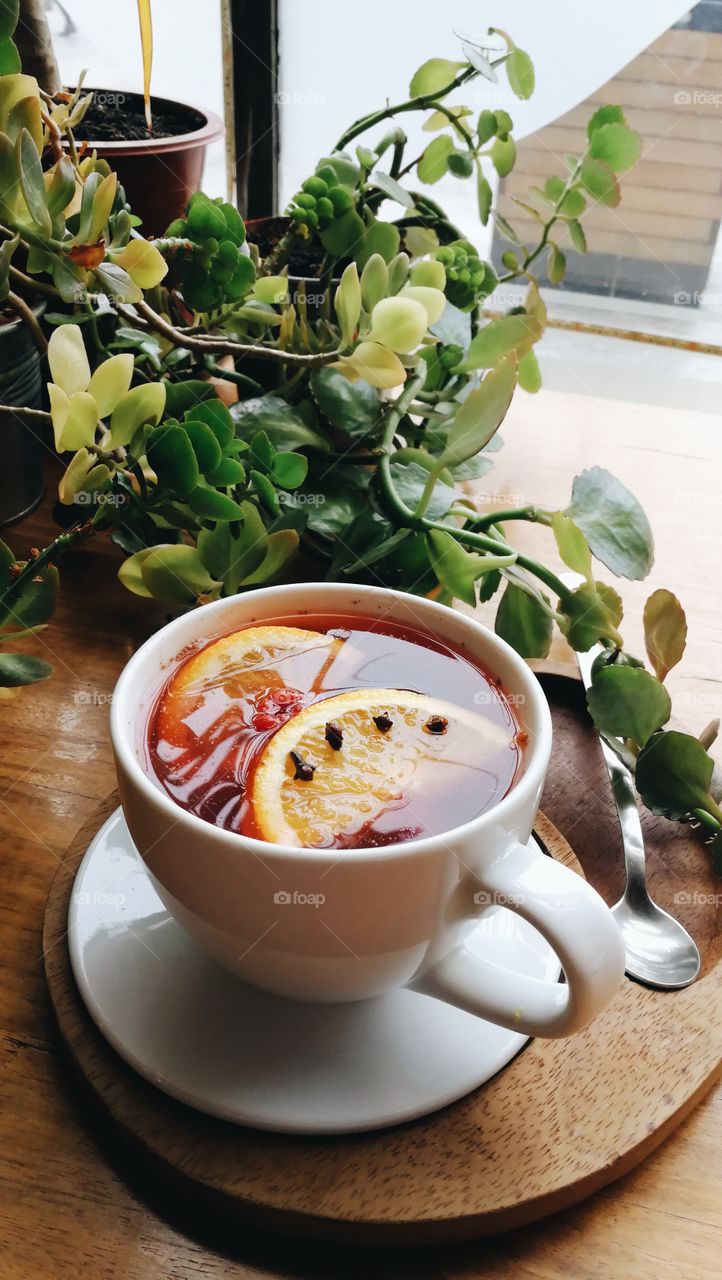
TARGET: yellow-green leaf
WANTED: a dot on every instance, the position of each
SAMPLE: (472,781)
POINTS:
(110,382)
(665,631)
(69,367)
(138,406)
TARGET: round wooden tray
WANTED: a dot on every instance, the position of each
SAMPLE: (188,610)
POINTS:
(563,1119)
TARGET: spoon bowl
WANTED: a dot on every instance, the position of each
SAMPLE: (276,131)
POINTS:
(659,951)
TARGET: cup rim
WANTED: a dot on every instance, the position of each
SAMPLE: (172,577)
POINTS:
(122,732)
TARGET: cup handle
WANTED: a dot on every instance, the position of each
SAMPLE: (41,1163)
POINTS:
(576,923)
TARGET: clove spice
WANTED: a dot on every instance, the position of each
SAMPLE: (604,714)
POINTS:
(304,769)
(436,724)
(333,734)
(383,722)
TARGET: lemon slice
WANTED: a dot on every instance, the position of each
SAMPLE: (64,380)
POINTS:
(242,664)
(397,750)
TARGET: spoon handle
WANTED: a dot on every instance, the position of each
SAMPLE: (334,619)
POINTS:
(624,797)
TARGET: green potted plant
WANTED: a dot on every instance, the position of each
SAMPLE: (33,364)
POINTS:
(358,422)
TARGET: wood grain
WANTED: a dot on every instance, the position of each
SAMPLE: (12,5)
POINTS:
(528,1143)
(71,1205)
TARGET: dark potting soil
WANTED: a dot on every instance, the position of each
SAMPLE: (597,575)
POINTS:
(117,116)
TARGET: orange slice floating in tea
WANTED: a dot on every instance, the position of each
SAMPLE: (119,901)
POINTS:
(237,669)
(342,764)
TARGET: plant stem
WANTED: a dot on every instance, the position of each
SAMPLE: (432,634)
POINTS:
(28,317)
(420,103)
(232,375)
(20,411)
(224,346)
(36,286)
(535,514)
(48,555)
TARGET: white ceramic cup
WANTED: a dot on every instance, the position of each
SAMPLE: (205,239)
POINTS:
(325,926)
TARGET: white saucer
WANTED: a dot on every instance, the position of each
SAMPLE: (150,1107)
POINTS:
(235,1052)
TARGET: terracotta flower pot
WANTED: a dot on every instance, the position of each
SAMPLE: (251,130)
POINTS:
(159,174)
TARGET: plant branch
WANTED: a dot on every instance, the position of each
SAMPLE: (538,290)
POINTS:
(28,317)
(225,346)
(420,103)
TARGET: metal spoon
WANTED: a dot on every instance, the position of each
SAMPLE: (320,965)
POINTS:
(660,952)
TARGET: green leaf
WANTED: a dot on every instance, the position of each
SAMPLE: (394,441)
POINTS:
(613,523)
(227,472)
(616,145)
(138,406)
(486,127)
(266,493)
(347,303)
(600,182)
(352,407)
(9,14)
(281,422)
(409,480)
(35,602)
(230,557)
(498,337)
(480,414)
(591,613)
(374,281)
(433,163)
(209,504)
(176,574)
(628,702)
(130,573)
(523,623)
(205,445)
(665,631)
(577,236)
(573,204)
(673,774)
(605,115)
(62,187)
(282,548)
(432,76)
(182,396)
(572,545)
(343,236)
(289,470)
(10,63)
(215,414)
(31,181)
(7,249)
(556,265)
(520,71)
(529,373)
(334,508)
(391,188)
(382,238)
(170,454)
(456,569)
(18,669)
(503,156)
(484,196)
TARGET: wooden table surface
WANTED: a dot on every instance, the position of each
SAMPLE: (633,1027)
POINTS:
(70,1205)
